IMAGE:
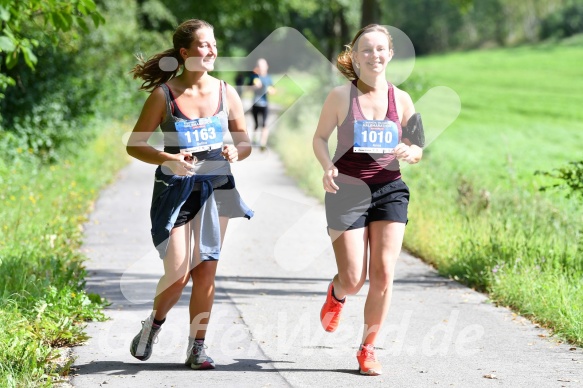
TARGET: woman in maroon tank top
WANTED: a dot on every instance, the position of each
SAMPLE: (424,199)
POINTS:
(366,200)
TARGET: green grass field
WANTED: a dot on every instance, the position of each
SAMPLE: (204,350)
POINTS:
(42,299)
(476,210)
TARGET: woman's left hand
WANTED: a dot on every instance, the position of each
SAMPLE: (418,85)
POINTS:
(230,153)
(403,152)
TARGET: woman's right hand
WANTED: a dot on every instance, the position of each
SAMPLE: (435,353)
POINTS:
(181,164)
(329,174)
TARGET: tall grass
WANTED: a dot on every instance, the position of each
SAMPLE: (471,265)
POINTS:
(476,212)
(42,301)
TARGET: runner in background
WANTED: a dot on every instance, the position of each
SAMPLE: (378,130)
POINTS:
(366,200)
(262,86)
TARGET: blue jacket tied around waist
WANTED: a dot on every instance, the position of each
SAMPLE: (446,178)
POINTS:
(172,191)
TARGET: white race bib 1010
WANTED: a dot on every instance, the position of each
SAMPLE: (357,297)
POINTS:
(375,136)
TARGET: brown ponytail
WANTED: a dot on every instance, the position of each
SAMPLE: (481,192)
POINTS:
(344,61)
(164,66)
(151,71)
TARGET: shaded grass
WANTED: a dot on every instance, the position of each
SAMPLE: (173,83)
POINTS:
(43,304)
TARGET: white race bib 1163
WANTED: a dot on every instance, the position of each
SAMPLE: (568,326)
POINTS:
(375,136)
(198,135)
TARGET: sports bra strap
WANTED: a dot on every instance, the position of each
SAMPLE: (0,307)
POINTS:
(169,110)
(224,102)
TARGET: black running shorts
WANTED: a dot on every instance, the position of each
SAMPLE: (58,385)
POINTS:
(357,205)
(225,196)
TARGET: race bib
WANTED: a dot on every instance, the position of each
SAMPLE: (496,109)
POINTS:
(375,136)
(198,135)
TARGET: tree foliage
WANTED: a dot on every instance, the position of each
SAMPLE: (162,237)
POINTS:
(82,70)
(240,26)
(19,17)
(49,106)
(438,26)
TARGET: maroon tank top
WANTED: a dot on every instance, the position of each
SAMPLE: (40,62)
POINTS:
(370,168)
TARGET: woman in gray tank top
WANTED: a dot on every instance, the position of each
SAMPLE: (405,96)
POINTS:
(194,190)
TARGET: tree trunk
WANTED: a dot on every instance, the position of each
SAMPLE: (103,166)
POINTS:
(370,12)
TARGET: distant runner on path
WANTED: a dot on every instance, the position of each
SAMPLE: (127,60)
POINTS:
(366,200)
(194,191)
(262,85)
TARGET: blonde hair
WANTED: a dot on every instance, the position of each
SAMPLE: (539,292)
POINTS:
(151,72)
(344,60)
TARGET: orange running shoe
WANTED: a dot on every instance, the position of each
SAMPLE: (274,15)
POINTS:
(367,361)
(330,313)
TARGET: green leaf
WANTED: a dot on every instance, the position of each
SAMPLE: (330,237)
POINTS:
(82,9)
(97,19)
(11,60)
(83,25)
(9,33)
(68,20)
(89,4)
(49,19)
(4,14)
(6,44)
(29,57)
(57,20)
(64,21)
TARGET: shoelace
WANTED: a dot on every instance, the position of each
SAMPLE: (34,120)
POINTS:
(369,354)
(199,349)
(152,335)
(336,307)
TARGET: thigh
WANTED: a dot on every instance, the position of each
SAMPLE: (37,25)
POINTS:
(195,236)
(386,240)
(348,208)
(351,248)
(224,221)
(177,263)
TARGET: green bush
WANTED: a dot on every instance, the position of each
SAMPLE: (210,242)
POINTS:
(570,179)
(563,23)
(46,114)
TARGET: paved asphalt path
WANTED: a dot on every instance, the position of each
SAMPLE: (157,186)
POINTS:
(271,283)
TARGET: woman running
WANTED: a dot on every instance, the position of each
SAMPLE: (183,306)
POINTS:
(366,200)
(194,190)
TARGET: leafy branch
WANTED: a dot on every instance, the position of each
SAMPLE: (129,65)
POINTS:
(15,16)
(570,177)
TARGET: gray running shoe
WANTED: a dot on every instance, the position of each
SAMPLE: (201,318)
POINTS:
(197,357)
(142,344)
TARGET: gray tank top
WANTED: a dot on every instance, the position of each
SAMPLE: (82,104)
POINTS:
(174,115)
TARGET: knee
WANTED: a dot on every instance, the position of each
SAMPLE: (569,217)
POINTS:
(351,283)
(178,285)
(381,281)
(202,277)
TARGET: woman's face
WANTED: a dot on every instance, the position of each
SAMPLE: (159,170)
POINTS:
(372,52)
(202,52)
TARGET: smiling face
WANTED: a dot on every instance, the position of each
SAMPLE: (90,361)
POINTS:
(202,52)
(372,53)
